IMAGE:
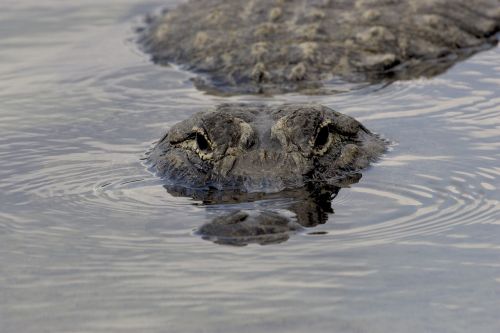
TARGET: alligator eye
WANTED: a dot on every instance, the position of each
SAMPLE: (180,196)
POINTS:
(203,147)
(322,139)
(202,142)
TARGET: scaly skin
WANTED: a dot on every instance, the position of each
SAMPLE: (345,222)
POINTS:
(275,46)
(259,148)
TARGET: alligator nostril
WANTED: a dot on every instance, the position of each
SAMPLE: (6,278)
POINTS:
(270,158)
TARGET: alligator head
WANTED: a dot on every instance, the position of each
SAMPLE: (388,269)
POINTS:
(258,148)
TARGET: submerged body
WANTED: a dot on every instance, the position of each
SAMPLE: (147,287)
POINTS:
(259,148)
(263,46)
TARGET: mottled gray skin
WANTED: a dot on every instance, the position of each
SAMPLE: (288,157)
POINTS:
(273,46)
(261,148)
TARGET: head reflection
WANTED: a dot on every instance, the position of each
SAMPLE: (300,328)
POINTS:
(307,208)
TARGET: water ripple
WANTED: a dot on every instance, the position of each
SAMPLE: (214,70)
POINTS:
(83,156)
(90,241)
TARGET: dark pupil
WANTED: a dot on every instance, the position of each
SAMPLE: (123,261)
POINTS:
(322,137)
(202,142)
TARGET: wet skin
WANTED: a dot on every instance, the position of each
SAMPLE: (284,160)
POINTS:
(276,46)
(259,148)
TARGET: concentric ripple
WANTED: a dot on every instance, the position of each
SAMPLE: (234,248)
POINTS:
(90,241)
(88,166)
(81,158)
(416,210)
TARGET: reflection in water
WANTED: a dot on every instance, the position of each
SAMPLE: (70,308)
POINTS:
(307,208)
(240,228)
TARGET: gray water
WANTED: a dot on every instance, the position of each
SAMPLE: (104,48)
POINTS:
(90,241)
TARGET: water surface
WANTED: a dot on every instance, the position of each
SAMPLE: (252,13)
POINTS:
(90,241)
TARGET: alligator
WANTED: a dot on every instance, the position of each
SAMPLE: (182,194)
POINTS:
(277,46)
(264,148)
(245,152)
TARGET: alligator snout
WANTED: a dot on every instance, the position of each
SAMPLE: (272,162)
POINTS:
(264,170)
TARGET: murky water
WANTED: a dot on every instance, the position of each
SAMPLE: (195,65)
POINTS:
(92,242)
